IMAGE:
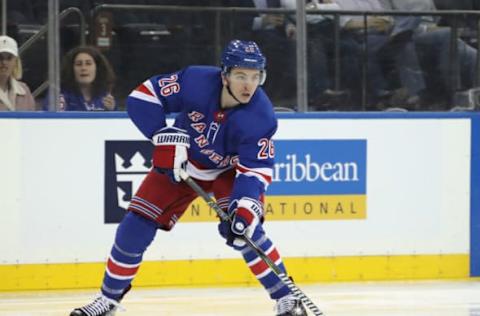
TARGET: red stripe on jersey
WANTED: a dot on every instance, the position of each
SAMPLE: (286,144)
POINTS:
(119,270)
(144,89)
(242,169)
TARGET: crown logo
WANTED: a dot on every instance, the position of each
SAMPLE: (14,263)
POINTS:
(137,164)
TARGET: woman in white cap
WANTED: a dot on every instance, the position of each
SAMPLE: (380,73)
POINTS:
(14,94)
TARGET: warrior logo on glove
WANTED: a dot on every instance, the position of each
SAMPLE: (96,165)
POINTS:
(171,151)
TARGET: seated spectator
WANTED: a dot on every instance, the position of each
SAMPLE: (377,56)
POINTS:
(339,91)
(14,94)
(87,81)
(433,46)
(390,51)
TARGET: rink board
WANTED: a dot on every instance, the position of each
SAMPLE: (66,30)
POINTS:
(403,207)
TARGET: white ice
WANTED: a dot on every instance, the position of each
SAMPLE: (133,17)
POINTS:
(421,298)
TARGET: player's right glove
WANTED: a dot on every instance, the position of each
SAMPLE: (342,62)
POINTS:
(246,215)
(171,151)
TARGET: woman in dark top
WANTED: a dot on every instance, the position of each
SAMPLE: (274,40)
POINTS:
(87,81)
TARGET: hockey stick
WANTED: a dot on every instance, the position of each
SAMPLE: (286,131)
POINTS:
(224,216)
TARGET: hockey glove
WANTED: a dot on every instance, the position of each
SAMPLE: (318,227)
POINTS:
(246,215)
(171,151)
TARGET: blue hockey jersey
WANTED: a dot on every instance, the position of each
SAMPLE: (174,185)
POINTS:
(71,101)
(220,139)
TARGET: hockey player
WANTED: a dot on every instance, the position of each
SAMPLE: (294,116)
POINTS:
(222,137)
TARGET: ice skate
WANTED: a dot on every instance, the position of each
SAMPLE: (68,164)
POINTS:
(101,306)
(290,306)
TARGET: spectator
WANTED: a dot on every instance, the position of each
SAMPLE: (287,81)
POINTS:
(14,94)
(87,81)
(390,51)
(321,61)
(433,46)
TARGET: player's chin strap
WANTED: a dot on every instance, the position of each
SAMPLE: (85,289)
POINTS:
(224,216)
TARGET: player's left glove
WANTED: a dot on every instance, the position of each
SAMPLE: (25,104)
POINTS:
(171,151)
(246,215)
